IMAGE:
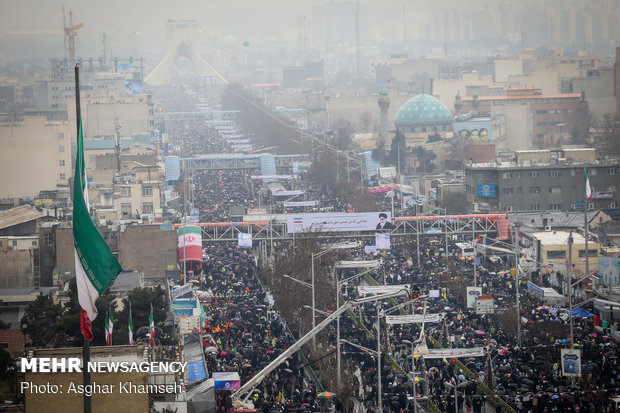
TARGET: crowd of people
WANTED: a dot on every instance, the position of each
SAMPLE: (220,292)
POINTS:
(523,370)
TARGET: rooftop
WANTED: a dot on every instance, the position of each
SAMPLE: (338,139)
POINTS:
(558,237)
(18,215)
(524,97)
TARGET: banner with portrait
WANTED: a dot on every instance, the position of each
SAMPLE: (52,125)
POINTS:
(133,87)
(338,222)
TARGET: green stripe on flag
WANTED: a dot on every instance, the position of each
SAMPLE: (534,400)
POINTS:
(97,260)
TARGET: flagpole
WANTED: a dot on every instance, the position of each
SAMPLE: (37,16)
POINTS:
(85,342)
(585,226)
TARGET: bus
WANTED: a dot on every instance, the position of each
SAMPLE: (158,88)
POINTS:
(465,249)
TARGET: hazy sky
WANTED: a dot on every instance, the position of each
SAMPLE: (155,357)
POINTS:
(258,20)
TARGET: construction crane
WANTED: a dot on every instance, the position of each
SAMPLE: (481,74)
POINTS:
(70,35)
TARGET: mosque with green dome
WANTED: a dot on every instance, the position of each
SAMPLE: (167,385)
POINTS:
(421,116)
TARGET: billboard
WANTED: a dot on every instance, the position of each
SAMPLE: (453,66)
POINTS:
(571,362)
(474,130)
(226,381)
(609,271)
(382,241)
(196,371)
(487,191)
(472,295)
(244,240)
(414,318)
(124,67)
(339,222)
(133,87)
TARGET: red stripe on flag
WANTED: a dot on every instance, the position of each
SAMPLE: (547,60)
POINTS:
(86,326)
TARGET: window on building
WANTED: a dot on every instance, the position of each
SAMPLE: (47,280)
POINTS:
(519,191)
(126,209)
(533,174)
(534,207)
(61,162)
(611,171)
(147,191)
(61,149)
(520,207)
(593,172)
(555,207)
(591,253)
(507,175)
(63,176)
(507,191)
(535,190)
(556,255)
(541,111)
(48,239)
(613,205)
(591,205)
(555,190)
(125,191)
(61,135)
(35,243)
(147,208)
(554,173)
(517,175)
(14,243)
(507,208)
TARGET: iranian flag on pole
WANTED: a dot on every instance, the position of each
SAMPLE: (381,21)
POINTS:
(587,185)
(130,326)
(152,326)
(95,266)
(109,328)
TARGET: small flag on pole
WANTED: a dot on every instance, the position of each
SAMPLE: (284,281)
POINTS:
(152,325)
(109,327)
(587,185)
(130,327)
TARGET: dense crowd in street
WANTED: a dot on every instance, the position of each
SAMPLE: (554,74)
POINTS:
(248,331)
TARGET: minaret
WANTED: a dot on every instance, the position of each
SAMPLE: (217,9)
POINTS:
(384,104)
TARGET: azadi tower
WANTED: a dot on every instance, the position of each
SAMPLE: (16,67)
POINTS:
(181,41)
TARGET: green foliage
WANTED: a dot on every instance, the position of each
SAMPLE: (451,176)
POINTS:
(40,319)
(423,159)
(398,149)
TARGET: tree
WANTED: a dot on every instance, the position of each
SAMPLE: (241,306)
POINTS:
(398,149)
(423,160)
(607,136)
(39,321)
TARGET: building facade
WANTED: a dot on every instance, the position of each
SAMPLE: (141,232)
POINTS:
(35,157)
(542,181)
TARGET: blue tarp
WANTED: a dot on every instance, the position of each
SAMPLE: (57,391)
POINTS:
(581,313)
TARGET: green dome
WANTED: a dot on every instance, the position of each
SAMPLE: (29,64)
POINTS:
(423,110)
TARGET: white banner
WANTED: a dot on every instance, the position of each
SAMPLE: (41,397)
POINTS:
(381,289)
(368,249)
(433,293)
(382,241)
(571,362)
(271,176)
(289,193)
(338,222)
(245,240)
(472,294)
(181,291)
(453,353)
(413,318)
(300,203)
(359,264)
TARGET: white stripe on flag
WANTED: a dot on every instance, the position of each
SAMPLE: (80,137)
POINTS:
(87,293)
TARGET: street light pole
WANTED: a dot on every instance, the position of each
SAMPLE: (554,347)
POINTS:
(313,304)
(338,336)
(379,401)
